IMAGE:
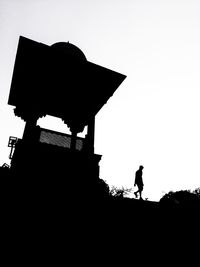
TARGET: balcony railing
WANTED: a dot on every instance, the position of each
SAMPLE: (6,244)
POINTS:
(59,139)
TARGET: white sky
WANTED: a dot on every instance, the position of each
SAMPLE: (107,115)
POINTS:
(153,118)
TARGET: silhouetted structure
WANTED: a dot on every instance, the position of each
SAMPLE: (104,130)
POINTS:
(139,181)
(59,81)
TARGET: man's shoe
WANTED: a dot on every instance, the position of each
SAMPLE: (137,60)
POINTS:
(135,194)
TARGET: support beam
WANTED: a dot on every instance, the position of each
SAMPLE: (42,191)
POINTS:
(29,129)
(91,135)
(73,140)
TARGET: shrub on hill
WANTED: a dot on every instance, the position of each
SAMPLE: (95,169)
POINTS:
(181,199)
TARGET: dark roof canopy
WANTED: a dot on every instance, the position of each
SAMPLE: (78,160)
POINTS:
(58,80)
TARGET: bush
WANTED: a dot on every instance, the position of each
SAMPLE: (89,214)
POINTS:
(120,192)
(181,199)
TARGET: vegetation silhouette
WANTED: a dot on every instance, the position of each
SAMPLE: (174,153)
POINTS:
(120,192)
(181,199)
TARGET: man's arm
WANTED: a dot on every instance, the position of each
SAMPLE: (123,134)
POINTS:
(135,179)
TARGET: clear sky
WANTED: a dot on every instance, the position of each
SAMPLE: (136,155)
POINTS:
(153,118)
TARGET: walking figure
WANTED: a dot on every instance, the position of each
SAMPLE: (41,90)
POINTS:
(139,182)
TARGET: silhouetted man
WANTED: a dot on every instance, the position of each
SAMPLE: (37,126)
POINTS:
(139,182)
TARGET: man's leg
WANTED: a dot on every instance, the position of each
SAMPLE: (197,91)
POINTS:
(140,192)
(135,193)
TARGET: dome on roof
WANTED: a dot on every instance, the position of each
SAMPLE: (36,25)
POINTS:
(70,50)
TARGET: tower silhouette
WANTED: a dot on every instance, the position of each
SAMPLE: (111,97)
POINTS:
(59,81)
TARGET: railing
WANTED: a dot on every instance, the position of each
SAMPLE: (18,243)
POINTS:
(59,139)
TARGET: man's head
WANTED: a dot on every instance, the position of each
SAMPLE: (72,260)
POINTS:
(141,167)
